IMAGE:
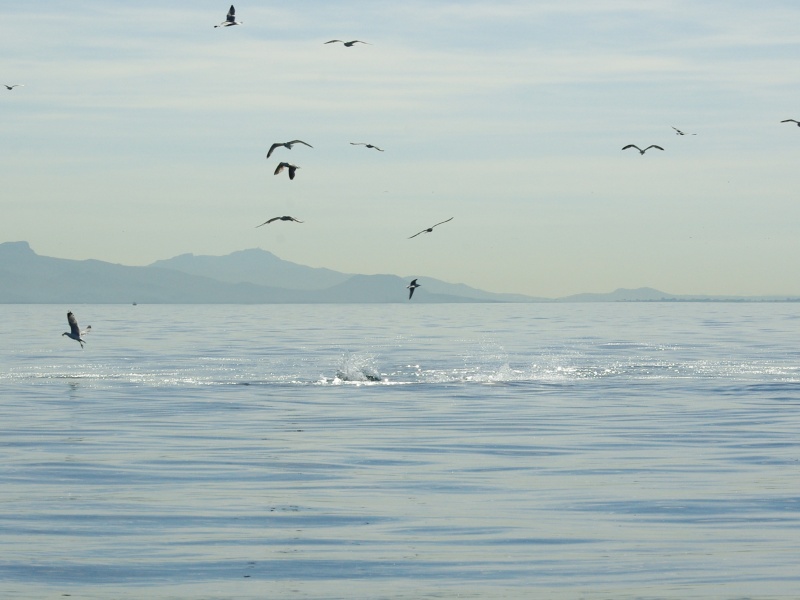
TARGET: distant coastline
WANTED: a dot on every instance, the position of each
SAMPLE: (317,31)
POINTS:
(257,276)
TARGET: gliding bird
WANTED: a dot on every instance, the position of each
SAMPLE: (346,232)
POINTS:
(75,332)
(640,150)
(13,85)
(230,20)
(286,145)
(281,166)
(429,229)
(411,287)
(365,144)
(679,132)
(349,44)
(286,218)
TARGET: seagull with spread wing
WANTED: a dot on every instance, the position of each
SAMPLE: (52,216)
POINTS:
(349,44)
(286,145)
(640,150)
(75,332)
(365,144)
(284,218)
(285,165)
(411,287)
(230,20)
(13,85)
(429,229)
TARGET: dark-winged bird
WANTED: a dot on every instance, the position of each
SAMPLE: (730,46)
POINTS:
(411,287)
(679,132)
(285,165)
(13,85)
(348,44)
(640,150)
(286,145)
(365,144)
(429,229)
(784,121)
(286,218)
(230,20)
(75,332)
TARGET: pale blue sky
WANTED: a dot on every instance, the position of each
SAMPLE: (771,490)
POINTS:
(141,133)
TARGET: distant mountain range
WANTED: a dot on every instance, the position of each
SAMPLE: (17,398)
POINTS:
(247,277)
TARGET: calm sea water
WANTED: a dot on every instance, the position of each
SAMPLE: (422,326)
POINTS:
(591,451)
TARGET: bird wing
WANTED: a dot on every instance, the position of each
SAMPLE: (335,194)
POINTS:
(334,41)
(632,146)
(415,235)
(653,146)
(789,121)
(358,143)
(272,148)
(450,219)
(295,220)
(87,330)
(266,222)
(300,142)
(279,168)
(292,170)
(231,14)
(678,130)
(73,324)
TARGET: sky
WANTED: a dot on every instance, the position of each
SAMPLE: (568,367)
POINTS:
(141,133)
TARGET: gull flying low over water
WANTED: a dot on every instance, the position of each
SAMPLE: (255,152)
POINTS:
(640,150)
(286,145)
(679,132)
(429,229)
(285,165)
(230,20)
(349,44)
(365,144)
(13,85)
(285,218)
(411,287)
(75,332)
(784,121)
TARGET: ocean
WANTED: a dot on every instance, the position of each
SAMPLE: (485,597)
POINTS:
(568,451)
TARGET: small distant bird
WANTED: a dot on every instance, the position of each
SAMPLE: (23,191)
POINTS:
(230,20)
(292,169)
(75,332)
(286,145)
(429,229)
(679,132)
(411,287)
(286,218)
(13,85)
(365,144)
(349,44)
(640,150)
(784,121)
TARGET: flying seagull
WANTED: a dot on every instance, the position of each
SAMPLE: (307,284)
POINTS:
(349,44)
(784,121)
(365,144)
(429,229)
(286,218)
(75,332)
(679,132)
(13,85)
(640,150)
(230,19)
(411,287)
(292,169)
(286,145)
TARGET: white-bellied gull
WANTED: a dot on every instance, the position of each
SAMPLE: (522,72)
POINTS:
(286,145)
(285,218)
(75,332)
(230,20)
(640,150)
(285,165)
(349,44)
(411,287)
(365,144)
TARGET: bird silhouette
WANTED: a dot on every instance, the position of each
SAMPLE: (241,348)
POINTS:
(230,20)
(784,121)
(365,144)
(13,85)
(75,332)
(286,145)
(640,150)
(679,132)
(349,44)
(429,229)
(285,165)
(285,218)
(411,287)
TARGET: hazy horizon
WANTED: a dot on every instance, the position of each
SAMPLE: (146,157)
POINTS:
(141,133)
